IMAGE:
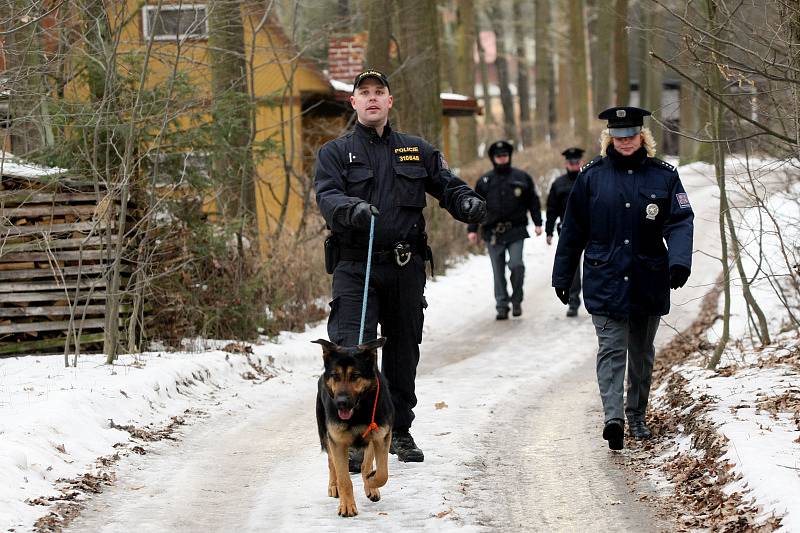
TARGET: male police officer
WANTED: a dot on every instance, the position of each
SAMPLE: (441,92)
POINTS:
(557,206)
(376,171)
(510,194)
(623,207)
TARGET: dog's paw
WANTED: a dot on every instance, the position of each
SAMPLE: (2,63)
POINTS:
(372,493)
(347,507)
(333,490)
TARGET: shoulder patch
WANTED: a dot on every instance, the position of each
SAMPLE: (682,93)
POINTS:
(663,164)
(591,163)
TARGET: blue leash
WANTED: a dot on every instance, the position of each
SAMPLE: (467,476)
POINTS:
(366,279)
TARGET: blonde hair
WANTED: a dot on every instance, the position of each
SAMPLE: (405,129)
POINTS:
(648,141)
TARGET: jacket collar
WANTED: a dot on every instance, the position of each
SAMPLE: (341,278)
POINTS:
(632,162)
(370,133)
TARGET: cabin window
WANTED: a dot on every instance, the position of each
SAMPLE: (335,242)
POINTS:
(175,22)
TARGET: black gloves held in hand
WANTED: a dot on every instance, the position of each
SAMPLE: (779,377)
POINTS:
(360,215)
(473,209)
(563,295)
(677,276)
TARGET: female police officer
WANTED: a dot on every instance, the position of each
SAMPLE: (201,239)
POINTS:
(623,207)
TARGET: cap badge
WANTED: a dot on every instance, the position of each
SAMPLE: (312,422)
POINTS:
(620,113)
(652,211)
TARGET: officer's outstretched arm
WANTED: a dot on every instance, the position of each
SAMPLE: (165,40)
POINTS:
(329,186)
(534,205)
(450,190)
(678,229)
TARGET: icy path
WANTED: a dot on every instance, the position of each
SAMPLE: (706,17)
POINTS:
(515,445)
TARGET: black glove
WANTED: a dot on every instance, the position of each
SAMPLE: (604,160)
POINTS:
(678,275)
(563,295)
(360,215)
(473,209)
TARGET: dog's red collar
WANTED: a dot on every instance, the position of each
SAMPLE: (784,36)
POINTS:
(372,425)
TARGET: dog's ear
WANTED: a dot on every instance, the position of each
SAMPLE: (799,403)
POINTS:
(327,347)
(371,348)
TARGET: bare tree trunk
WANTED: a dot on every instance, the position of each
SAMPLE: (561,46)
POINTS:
(418,52)
(380,31)
(544,67)
(689,118)
(655,76)
(498,23)
(523,83)
(621,74)
(601,61)
(232,158)
(466,34)
(24,64)
(579,72)
(719,167)
(563,103)
(484,70)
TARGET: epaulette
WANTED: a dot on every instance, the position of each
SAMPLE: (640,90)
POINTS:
(663,164)
(591,163)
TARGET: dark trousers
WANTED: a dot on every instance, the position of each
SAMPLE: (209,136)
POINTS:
(395,301)
(575,290)
(497,254)
(619,341)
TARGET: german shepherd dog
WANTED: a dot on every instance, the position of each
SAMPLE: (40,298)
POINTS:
(354,409)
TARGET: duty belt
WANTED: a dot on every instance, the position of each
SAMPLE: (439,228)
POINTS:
(502,227)
(400,253)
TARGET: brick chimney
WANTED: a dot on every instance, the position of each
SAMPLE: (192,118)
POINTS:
(346,56)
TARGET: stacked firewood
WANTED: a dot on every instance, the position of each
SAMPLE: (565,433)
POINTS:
(58,241)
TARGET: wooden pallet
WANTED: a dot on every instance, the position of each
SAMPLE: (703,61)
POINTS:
(57,244)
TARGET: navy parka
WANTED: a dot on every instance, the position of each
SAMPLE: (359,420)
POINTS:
(633,219)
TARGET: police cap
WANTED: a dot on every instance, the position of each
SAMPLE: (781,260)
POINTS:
(371,73)
(624,121)
(500,148)
(573,154)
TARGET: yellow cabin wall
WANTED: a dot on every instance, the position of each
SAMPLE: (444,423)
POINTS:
(272,57)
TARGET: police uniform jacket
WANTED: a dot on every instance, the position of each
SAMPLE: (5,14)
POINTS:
(621,215)
(557,201)
(392,172)
(510,194)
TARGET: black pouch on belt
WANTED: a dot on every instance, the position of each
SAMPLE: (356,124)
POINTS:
(331,253)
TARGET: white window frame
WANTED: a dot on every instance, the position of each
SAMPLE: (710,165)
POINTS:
(146,10)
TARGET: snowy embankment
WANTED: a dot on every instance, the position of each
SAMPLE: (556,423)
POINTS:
(737,449)
(55,422)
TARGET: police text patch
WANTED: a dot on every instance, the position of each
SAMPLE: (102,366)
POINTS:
(683,200)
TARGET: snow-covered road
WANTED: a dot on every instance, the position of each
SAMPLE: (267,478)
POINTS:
(508,416)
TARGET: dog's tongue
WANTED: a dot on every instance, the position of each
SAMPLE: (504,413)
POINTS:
(345,414)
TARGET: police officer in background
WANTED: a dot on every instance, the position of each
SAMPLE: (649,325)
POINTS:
(376,171)
(557,206)
(623,208)
(510,194)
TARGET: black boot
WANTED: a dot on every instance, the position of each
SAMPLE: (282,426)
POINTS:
(404,447)
(639,430)
(614,433)
(354,459)
(516,309)
(572,311)
(502,314)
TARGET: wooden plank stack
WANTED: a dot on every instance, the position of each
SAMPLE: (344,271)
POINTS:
(55,254)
